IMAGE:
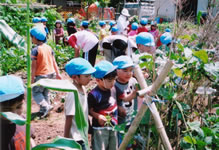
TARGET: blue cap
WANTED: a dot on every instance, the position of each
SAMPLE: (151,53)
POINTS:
(102,23)
(145,39)
(71,20)
(84,23)
(114,29)
(134,26)
(38,34)
(166,38)
(44,19)
(36,19)
(10,87)
(123,62)
(111,23)
(78,66)
(167,30)
(103,68)
(143,21)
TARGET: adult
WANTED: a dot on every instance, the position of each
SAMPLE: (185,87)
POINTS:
(123,22)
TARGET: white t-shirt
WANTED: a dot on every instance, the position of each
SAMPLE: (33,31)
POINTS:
(70,111)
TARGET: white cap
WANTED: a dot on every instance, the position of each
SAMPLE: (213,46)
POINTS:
(125,12)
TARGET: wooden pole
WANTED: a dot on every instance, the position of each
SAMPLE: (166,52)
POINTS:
(155,86)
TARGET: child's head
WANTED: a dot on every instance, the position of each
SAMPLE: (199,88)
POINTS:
(125,67)
(44,20)
(71,22)
(145,42)
(134,26)
(58,24)
(166,38)
(112,23)
(79,70)
(153,25)
(143,21)
(105,74)
(36,20)
(114,30)
(11,94)
(102,24)
(38,35)
(84,24)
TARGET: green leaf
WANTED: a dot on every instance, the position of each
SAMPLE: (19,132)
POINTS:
(67,86)
(199,15)
(186,36)
(178,72)
(59,143)
(11,35)
(208,140)
(201,144)
(180,47)
(15,118)
(202,54)
(207,131)
(190,140)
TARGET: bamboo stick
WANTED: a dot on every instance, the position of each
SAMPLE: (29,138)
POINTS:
(155,86)
(28,146)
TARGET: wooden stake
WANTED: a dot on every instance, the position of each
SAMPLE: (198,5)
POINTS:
(155,86)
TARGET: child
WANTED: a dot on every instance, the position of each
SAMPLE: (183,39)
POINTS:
(112,23)
(71,29)
(102,33)
(80,71)
(43,66)
(154,31)
(12,136)
(126,83)
(102,102)
(143,23)
(145,43)
(58,31)
(44,21)
(86,41)
(134,28)
(84,25)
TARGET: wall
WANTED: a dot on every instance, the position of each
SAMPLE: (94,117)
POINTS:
(165,9)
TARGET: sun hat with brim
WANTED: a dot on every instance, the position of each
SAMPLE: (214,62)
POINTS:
(103,68)
(36,19)
(145,39)
(134,26)
(102,23)
(84,23)
(123,62)
(38,34)
(44,19)
(114,29)
(78,66)
(143,21)
(71,20)
(166,38)
(111,23)
(10,87)
(125,12)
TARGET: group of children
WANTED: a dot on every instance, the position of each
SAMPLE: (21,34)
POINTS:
(110,103)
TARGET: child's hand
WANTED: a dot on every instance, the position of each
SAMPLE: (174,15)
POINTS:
(58,76)
(101,120)
(122,111)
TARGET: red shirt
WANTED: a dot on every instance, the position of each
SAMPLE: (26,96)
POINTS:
(142,29)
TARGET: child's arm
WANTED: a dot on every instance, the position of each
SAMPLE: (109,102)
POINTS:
(58,76)
(77,51)
(101,118)
(129,97)
(33,67)
(68,123)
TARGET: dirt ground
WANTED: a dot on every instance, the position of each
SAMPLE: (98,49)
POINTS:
(47,129)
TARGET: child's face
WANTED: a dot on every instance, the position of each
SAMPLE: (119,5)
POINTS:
(83,79)
(18,107)
(58,25)
(34,40)
(124,75)
(148,49)
(106,84)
